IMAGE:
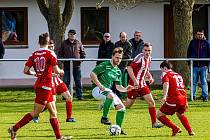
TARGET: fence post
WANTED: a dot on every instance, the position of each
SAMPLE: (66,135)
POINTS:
(191,79)
(71,78)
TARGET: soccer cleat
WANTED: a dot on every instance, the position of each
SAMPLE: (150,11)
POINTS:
(157,125)
(105,121)
(71,120)
(36,119)
(191,133)
(65,138)
(100,107)
(12,133)
(175,131)
(123,132)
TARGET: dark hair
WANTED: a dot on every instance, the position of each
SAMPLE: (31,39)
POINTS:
(51,42)
(43,39)
(166,64)
(200,30)
(117,50)
(147,44)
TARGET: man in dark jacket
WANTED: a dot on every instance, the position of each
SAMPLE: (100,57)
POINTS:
(72,48)
(126,45)
(2,49)
(199,48)
(105,48)
(137,44)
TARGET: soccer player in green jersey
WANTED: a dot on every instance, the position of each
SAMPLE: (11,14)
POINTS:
(103,76)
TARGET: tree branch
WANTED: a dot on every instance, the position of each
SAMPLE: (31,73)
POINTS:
(43,8)
(68,11)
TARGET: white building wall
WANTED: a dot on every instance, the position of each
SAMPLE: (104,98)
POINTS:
(146,17)
(36,25)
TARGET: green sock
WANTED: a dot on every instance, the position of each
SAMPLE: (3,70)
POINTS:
(107,105)
(120,117)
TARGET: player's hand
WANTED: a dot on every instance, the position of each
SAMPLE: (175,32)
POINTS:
(136,84)
(102,88)
(61,72)
(129,88)
(162,101)
(151,81)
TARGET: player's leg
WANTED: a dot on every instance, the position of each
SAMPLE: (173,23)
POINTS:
(151,107)
(69,100)
(97,94)
(54,120)
(36,119)
(40,102)
(107,104)
(168,109)
(183,119)
(129,102)
(120,112)
(62,90)
(25,120)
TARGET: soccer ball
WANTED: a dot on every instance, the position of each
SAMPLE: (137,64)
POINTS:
(114,130)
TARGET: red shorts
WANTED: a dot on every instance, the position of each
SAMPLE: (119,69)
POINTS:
(138,92)
(169,109)
(61,88)
(43,96)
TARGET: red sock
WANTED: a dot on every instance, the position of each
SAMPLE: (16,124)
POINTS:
(185,123)
(56,127)
(69,109)
(26,119)
(152,112)
(164,120)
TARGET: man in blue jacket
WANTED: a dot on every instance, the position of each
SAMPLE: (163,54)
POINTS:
(200,48)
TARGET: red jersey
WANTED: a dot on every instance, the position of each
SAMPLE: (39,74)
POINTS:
(176,90)
(43,61)
(140,67)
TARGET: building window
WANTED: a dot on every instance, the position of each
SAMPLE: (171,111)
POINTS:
(14,26)
(94,23)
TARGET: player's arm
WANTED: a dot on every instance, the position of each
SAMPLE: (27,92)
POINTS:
(123,89)
(165,91)
(132,76)
(149,75)
(95,80)
(57,70)
(28,71)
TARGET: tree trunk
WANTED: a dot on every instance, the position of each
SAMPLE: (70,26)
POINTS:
(183,31)
(57,22)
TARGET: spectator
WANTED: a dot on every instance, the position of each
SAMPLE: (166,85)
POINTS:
(137,44)
(105,48)
(126,45)
(2,49)
(72,48)
(199,48)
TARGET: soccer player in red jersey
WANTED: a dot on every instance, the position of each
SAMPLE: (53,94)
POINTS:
(43,62)
(60,88)
(138,72)
(174,99)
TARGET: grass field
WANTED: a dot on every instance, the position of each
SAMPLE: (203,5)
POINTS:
(14,103)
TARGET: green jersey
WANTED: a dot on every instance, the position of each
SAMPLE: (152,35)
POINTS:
(107,74)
